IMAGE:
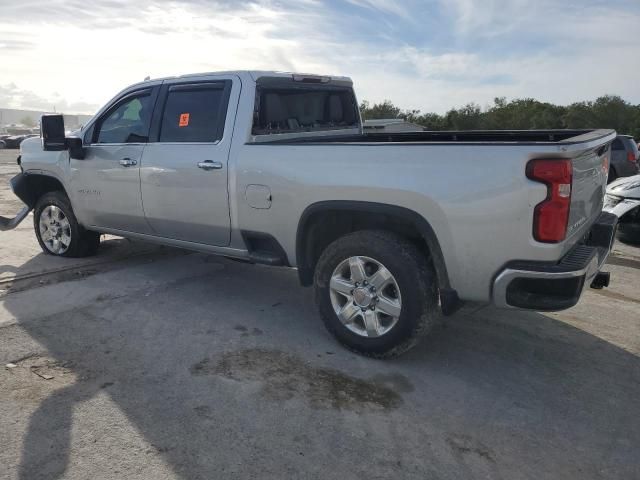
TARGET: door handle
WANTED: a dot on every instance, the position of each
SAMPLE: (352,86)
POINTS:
(127,162)
(210,165)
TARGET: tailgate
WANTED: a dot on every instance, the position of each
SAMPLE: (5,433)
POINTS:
(589,183)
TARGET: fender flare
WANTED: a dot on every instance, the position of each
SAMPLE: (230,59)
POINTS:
(305,271)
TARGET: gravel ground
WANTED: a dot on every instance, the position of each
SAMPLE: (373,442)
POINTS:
(156,363)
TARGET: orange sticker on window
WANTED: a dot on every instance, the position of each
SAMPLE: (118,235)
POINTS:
(184,120)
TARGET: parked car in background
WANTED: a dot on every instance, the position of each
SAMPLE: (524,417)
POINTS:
(2,144)
(14,141)
(624,158)
(623,200)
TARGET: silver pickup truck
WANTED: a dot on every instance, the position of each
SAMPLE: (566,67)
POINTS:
(274,168)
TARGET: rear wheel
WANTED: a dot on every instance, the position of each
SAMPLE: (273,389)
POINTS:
(376,292)
(57,230)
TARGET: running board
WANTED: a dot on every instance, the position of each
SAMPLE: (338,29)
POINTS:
(11,223)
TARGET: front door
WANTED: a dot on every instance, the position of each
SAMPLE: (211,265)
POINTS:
(183,174)
(107,180)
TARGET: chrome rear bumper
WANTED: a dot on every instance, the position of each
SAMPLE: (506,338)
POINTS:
(556,286)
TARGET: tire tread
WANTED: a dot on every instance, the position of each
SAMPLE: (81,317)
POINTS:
(410,256)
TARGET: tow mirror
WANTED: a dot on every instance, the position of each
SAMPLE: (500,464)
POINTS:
(76,150)
(52,128)
(53,137)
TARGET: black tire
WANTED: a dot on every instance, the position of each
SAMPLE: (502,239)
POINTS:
(613,176)
(415,278)
(84,243)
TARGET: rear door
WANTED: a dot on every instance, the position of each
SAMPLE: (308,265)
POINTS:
(184,173)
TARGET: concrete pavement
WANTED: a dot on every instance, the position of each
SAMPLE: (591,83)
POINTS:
(166,365)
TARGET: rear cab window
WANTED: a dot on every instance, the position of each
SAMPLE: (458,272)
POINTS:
(194,113)
(286,106)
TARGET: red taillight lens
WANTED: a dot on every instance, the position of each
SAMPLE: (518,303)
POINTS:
(551,216)
(631,157)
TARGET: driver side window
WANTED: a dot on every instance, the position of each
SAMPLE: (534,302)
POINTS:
(128,123)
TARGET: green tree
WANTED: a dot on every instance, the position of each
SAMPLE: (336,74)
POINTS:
(469,117)
(609,111)
(385,109)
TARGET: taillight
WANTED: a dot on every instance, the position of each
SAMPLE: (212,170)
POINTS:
(551,216)
(631,157)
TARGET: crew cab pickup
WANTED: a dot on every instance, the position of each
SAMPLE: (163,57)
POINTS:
(274,168)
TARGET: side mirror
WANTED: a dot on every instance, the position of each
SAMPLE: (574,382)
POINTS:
(76,150)
(52,128)
(53,139)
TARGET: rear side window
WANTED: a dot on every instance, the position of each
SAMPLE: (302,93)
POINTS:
(288,110)
(194,113)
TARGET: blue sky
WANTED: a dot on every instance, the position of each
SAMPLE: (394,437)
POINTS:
(430,55)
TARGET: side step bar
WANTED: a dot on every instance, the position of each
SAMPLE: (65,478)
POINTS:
(11,223)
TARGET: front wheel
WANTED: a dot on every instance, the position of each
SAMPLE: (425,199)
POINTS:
(57,230)
(376,292)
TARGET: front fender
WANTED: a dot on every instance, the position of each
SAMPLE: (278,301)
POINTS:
(20,187)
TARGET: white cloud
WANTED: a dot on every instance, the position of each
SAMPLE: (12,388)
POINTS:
(88,55)
(489,17)
(12,96)
(385,6)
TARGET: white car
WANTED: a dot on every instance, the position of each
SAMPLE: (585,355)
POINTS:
(623,200)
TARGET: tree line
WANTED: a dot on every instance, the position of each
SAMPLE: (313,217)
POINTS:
(609,111)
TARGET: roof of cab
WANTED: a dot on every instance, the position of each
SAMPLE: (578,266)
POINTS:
(254,74)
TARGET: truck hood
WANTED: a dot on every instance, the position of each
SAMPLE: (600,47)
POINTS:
(33,144)
(626,187)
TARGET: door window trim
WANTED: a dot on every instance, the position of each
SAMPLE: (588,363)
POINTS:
(156,121)
(94,129)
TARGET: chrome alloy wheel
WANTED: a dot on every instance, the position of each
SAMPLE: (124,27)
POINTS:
(365,296)
(55,230)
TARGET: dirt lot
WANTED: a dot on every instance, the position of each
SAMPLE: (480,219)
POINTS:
(148,362)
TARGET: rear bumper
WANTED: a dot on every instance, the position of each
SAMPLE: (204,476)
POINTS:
(547,286)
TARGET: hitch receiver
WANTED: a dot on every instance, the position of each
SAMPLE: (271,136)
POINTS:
(601,280)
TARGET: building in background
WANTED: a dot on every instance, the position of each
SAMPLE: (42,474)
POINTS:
(390,125)
(18,122)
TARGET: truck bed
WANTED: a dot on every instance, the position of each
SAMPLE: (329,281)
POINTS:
(484,137)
